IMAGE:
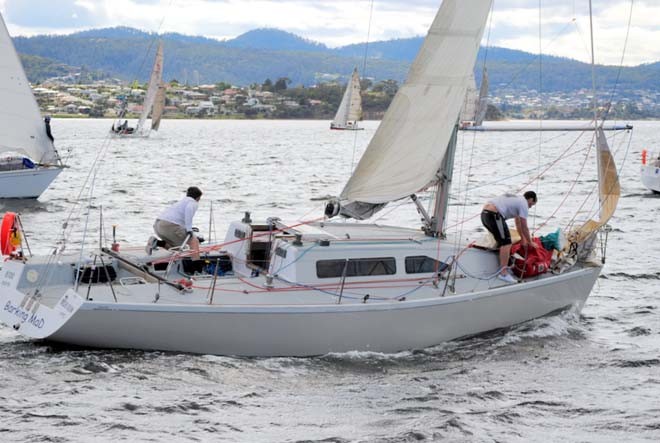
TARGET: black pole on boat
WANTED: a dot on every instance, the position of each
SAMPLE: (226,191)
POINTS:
(107,275)
(215,279)
(343,281)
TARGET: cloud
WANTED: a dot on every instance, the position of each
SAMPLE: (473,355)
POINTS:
(51,14)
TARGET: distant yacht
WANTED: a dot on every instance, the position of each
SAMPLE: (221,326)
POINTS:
(29,161)
(350,109)
(154,102)
(650,171)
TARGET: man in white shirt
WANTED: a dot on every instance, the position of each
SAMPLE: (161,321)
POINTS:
(174,224)
(494,216)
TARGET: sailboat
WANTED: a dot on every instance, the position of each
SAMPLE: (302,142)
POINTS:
(278,289)
(29,161)
(350,108)
(154,100)
(650,171)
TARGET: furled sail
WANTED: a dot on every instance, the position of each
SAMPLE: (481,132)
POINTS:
(159,105)
(350,108)
(152,89)
(409,146)
(609,190)
(23,130)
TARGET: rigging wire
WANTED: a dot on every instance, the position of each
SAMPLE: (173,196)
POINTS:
(364,75)
(540,102)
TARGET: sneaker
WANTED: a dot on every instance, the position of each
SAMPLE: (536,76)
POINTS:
(152,244)
(507,278)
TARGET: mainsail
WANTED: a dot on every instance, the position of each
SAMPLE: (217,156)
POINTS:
(409,146)
(350,109)
(22,130)
(152,89)
(159,105)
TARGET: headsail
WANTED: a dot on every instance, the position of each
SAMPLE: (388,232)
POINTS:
(350,109)
(409,146)
(152,89)
(22,130)
(159,105)
(609,190)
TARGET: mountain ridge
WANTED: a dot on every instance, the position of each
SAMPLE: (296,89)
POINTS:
(272,53)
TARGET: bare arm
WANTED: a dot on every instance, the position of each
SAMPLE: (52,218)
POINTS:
(523,230)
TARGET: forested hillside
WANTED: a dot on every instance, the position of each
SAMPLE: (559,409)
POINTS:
(267,53)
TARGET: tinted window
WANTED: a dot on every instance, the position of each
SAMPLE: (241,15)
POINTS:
(356,267)
(421,264)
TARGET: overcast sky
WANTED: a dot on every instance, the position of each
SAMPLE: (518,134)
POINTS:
(515,23)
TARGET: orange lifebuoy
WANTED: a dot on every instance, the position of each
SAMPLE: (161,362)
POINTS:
(8,233)
(643,156)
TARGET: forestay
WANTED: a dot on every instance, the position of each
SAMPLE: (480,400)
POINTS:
(22,129)
(409,146)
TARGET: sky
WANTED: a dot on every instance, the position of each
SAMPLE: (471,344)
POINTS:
(563,29)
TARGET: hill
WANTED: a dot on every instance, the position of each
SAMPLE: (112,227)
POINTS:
(269,53)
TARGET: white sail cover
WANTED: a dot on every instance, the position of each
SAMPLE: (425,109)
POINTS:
(152,88)
(159,106)
(22,130)
(408,148)
(350,109)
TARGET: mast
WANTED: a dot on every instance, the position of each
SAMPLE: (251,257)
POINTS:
(434,226)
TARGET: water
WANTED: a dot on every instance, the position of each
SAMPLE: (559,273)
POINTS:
(595,378)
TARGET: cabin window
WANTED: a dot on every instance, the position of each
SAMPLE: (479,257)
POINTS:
(357,267)
(421,264)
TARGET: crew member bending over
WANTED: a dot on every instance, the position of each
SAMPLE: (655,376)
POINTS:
(494,216)
(174,224)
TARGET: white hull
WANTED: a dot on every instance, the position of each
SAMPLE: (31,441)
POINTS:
(26,183)
(307,330)
(269,314)
(651,177)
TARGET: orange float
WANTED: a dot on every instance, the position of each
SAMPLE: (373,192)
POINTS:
(10,238)
(644,156)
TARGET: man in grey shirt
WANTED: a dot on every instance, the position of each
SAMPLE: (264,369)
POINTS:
(494,216)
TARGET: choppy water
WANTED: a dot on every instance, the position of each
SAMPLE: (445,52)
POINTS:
(590,379)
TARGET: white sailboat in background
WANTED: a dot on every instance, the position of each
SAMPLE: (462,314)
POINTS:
(350,108)
(29,161)
(650,171)
(154,99)
(476,103)
(275,289)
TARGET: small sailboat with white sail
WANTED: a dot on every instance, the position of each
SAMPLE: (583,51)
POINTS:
(350,109)
(154,102)
(273,288)
(29,161)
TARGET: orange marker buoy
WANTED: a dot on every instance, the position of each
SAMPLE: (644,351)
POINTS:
(8,234)
(644,156)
